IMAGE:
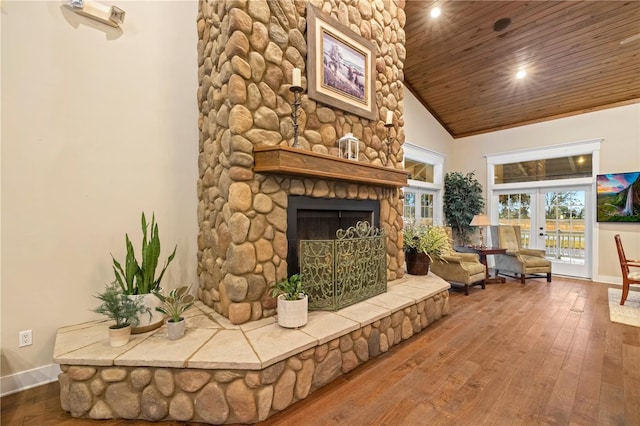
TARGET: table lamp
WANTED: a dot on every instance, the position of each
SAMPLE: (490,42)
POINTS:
(481,220)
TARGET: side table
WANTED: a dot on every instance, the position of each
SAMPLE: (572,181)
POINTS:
(484,252)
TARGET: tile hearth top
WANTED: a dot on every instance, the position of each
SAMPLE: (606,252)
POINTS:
(212,342)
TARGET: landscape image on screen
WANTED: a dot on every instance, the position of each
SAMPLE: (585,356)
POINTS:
(618,197)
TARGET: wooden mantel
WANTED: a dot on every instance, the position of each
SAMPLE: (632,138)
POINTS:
(298,162)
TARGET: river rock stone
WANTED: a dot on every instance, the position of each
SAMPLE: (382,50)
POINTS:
(181,407)
(124,402)
(154,406)
(163,380)
(283,390)
(241,258)
(140,377)
(80,399)
(241,402)
(328,369)
(81,373)
(113,374)
(101,411)
(238,44)
(264,398)
(239,313)
(211,405)
(192,380)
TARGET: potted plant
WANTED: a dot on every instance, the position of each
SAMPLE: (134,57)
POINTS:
(122,309)
(420,243)
(138,279)
(293,302)
(174,305)
(462,200)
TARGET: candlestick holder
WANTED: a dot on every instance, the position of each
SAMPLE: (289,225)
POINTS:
(388,126)
(296,90)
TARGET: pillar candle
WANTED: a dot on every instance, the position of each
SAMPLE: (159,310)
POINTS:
(389,117)
(297,78)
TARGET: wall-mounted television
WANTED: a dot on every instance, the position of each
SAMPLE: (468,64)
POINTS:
(618,197)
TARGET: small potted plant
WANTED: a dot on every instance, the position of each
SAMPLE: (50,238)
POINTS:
(174,305)
(293,302)
(138,279)
(420,243)
(122,309)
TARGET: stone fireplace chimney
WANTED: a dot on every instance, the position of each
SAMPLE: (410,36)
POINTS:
(246,52)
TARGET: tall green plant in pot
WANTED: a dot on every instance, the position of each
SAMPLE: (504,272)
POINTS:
(138,279)
(462,200)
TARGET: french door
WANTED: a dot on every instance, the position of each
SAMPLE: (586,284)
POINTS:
(553,219)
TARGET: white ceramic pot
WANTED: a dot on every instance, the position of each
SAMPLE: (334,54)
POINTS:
(144,322)
(119,336)
(175,330)
(292,313)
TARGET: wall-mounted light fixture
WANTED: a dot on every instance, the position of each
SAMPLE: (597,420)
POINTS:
(110,15)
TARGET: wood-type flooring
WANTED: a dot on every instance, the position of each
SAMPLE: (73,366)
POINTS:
(512,354)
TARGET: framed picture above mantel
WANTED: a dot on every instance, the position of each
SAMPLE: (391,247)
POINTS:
(340,65)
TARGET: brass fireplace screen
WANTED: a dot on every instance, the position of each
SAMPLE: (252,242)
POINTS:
(341,272)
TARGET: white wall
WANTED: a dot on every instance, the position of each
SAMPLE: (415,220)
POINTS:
(97,126)
(422,129)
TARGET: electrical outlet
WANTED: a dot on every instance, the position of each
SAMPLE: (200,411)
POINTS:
(25,338)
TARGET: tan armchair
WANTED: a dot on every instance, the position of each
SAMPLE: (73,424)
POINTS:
(520,261)
(459,268)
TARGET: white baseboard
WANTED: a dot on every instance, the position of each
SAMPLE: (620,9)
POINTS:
(616,279)
(28,379)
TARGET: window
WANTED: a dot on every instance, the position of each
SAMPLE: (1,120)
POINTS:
(423,197)
(575,166)
(419,171)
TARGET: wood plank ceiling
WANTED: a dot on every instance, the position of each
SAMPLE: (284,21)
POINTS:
(463,70)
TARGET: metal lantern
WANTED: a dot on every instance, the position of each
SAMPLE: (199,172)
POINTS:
(349,147)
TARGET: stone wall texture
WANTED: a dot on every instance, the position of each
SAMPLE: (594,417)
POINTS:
(246,52)
(235,396)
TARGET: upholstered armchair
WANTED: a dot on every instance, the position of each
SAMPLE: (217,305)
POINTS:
(519,261)
(459,268)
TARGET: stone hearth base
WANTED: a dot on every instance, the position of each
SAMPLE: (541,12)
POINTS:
(224,373)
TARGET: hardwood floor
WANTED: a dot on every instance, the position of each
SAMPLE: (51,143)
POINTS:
(516,354)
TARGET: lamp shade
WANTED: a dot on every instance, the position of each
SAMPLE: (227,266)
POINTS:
(480,220)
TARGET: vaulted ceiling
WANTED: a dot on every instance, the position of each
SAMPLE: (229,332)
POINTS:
(579,56)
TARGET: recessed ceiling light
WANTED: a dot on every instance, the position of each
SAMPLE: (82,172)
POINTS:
(521,74)
(501,24)
(435,12)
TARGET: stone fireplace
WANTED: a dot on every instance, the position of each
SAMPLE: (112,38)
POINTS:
(249,173)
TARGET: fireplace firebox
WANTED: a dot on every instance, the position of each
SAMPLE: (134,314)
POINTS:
(311,218)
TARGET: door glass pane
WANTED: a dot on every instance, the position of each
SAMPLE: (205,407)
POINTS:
(409,207)
(426,209)
(564,221)
(515,209)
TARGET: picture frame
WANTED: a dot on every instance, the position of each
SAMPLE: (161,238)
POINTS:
(618,197)
(340,65)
